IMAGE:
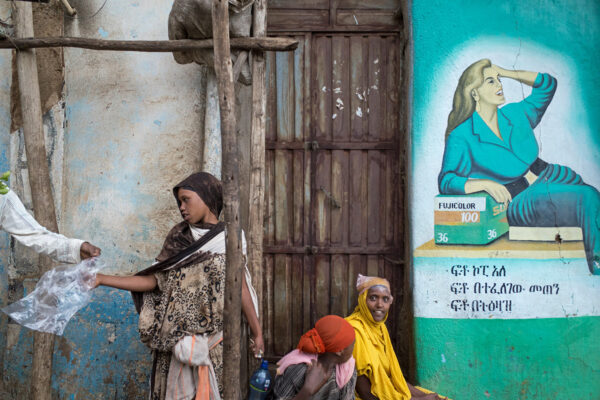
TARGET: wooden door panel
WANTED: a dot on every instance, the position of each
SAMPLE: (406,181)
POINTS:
(355,199)
(334,15)
(282,305)
(338,88)
(339,198)
(332,186)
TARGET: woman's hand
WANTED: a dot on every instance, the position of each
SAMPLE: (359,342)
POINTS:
(88,250)
(501,71)
(363,388)
(257,344)
(526,77)
(494,189)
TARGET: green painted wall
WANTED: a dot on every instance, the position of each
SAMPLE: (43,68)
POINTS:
(551,358)
(538,350)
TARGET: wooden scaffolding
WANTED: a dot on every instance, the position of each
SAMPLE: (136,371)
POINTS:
(25,44)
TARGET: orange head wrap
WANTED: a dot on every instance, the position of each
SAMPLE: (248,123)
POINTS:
(330,334)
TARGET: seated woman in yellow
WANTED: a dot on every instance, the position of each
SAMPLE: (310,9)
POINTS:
(379,374)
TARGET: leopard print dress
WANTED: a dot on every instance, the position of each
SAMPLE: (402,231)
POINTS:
(188,300)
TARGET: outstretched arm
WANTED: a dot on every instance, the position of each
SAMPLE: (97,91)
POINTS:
(15,220)
(526,77)
(143,283)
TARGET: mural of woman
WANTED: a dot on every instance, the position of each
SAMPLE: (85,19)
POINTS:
(494,150)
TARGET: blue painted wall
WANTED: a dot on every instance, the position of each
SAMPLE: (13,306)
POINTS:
(133,126)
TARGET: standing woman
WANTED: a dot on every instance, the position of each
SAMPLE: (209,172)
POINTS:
(180,297)
(495,150)
(379,373)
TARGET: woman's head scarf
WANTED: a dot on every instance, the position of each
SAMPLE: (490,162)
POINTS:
(366,282)
(330,334)
(207,187)
(211,192)
(373,350)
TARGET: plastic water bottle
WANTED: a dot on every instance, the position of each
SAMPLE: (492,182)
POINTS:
(260,382)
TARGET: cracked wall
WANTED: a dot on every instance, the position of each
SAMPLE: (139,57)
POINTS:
(125,127)
(504,287)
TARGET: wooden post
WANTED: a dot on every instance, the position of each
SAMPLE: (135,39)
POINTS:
(231,202)
(39,180)
(257,155)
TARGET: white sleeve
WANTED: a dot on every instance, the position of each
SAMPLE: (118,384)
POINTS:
(248,276)
(15,220)
(244,245)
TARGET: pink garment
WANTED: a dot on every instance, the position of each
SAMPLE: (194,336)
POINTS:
(343,372)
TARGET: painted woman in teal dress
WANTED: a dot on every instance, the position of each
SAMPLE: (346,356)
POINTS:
(494,150)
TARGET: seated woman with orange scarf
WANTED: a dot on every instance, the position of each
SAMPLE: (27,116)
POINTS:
(379,374)
(321,367)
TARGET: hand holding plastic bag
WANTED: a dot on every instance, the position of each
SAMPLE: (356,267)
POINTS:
(58,295)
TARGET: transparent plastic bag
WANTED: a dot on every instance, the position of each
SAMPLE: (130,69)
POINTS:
(58,295)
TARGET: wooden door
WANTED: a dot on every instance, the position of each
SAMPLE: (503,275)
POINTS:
(334,197)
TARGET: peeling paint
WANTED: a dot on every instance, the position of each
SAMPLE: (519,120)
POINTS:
(102,33)
(129,127)
(63,347)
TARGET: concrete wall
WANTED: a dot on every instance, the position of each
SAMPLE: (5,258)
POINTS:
(498,317)
(128,127)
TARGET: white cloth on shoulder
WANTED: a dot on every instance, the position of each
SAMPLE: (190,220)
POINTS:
(217,246)
(191,373)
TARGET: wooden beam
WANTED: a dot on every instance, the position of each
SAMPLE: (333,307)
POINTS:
(245,43)
(257,156)
(231,202)
(39,180)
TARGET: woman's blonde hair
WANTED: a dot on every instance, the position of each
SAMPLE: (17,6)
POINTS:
(463,104)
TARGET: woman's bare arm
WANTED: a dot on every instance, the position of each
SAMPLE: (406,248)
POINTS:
(250,313)
(143,283)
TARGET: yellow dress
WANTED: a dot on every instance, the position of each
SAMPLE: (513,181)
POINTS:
(375,356)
